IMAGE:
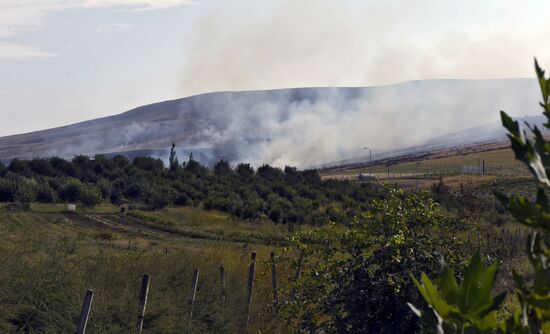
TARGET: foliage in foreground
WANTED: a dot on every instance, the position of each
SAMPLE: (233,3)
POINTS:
(357,280)
(468,307)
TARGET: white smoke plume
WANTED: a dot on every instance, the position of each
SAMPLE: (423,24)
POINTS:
(330,43)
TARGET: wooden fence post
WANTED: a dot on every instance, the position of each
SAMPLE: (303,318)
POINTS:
(85,312)
(274,282)
(250,286)
(144,291)
(299,266)
(194,293)
(298,272)
(223,295)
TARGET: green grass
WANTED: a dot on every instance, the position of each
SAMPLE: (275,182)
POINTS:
(49,258)
(500,162)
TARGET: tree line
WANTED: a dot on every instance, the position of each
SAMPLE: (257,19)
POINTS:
(289,196)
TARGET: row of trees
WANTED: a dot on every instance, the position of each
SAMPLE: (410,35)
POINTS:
(282,195)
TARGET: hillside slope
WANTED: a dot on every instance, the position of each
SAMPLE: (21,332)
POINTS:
(301,126)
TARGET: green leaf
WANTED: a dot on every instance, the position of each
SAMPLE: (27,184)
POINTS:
(543,83)
(542,302)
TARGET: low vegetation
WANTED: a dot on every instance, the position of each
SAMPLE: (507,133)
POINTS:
(469,306)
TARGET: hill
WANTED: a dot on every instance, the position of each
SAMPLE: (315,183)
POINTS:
(301,126)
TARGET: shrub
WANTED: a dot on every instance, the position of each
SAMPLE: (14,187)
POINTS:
(45,193)
(8,188)
(158,198)
(41,166)
(25,193)
(468,307)
(3,169)
(20,167)
(90,196)
(269,173)
(70,192)
(222,168)
(149,164)
(245,170)
(116,196)
(63,167)
(120,161)
(361,283)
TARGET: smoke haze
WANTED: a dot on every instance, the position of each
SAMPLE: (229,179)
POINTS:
(299,127)
(314,43)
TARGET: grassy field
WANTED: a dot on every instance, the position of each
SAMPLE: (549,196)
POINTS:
(497,162)
(500,166)
(50,257)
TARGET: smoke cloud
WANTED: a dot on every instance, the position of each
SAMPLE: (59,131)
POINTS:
(301,127)
(330,43)
(315,43)
(308,127)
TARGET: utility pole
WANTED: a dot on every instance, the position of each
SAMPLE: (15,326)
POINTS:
(370,160)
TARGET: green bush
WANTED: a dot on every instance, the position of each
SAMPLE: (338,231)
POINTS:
(8,188)
(3,169)
(468,307)
(158,198)
(70,191)
(45,193)
(25,193)
(358,279)
(90,196)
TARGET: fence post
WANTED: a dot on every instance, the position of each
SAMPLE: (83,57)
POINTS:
(194,293)
(298,272)
(222,281)
(85,312)
(299,266)
(250,285)
(144,291)
(274,282)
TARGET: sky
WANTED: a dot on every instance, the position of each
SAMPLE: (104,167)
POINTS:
(64,61)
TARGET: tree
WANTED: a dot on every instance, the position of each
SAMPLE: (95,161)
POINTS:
(245,170)
(158,197)
(222,168)
(90,196)
(70,192)
(8,188)
(26,193)
(194,166)
(20,167)
(120,161)
(149,164)
(468,307)
(45,193)
(3,170)
(174,163)
(361,283)
(269,173)
(63,167)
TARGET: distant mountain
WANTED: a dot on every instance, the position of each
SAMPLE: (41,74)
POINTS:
(481,134)
(300,126)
